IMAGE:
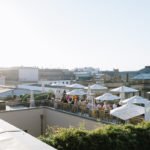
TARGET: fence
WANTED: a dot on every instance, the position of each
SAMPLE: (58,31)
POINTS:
(81,110)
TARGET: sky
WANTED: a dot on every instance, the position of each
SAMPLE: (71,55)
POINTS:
(104,34)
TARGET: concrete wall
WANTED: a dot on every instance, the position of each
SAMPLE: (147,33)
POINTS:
(30,120)
(28,74)
(2,80)
(56,118)
(27,119)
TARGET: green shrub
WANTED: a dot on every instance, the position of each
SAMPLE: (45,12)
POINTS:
(39,96)
(110,137)
(25,97)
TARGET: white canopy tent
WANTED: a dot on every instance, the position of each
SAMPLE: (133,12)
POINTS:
(136,99)
(127,111)
(78,92)
(97,87)
(107,97)
(76,86)
(122,90)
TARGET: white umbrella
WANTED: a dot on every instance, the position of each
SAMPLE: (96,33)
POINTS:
(127,111)
(136,99)
(97,87)
(107,97)
(76,86)
(76,92)
(124,89)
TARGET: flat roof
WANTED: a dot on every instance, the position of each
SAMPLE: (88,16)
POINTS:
(14,138)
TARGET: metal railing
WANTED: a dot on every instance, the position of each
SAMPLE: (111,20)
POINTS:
(80,110)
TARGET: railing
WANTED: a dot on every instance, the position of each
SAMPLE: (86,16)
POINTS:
(81,110)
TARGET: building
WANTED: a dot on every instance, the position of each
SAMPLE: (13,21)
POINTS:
(55,82)
(55,74)
(145,70)
(2,80)
(86,73)
(10,73)
(28,74)
(142,81)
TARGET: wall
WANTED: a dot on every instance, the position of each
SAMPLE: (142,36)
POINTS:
(65,82)
(2,80)
(56,118)
(28,74)
(27,119)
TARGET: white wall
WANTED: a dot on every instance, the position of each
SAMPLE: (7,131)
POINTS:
(56,118)
(29,119)
(2,80)
(65,82)
(28,74)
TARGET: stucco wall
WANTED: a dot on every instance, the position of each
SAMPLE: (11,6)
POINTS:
(30,120)
(24,119)
(55,118)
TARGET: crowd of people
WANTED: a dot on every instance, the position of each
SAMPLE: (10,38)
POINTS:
(90,104)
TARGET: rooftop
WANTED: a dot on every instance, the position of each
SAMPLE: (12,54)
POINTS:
(15,139)
(142,76)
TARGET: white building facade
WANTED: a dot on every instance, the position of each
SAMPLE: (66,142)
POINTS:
(2,80)
(27,74)
(56,82)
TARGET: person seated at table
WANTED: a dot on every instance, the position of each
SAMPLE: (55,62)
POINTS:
(106,106)
(99,106)
(68,98)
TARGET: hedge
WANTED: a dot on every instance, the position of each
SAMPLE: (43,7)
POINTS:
(39,96)
(109,137)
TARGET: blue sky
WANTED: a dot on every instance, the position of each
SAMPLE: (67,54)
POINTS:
(75,33)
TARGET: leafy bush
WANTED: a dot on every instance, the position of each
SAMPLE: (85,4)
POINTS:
(39,96)
(25,97)
(110,137)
